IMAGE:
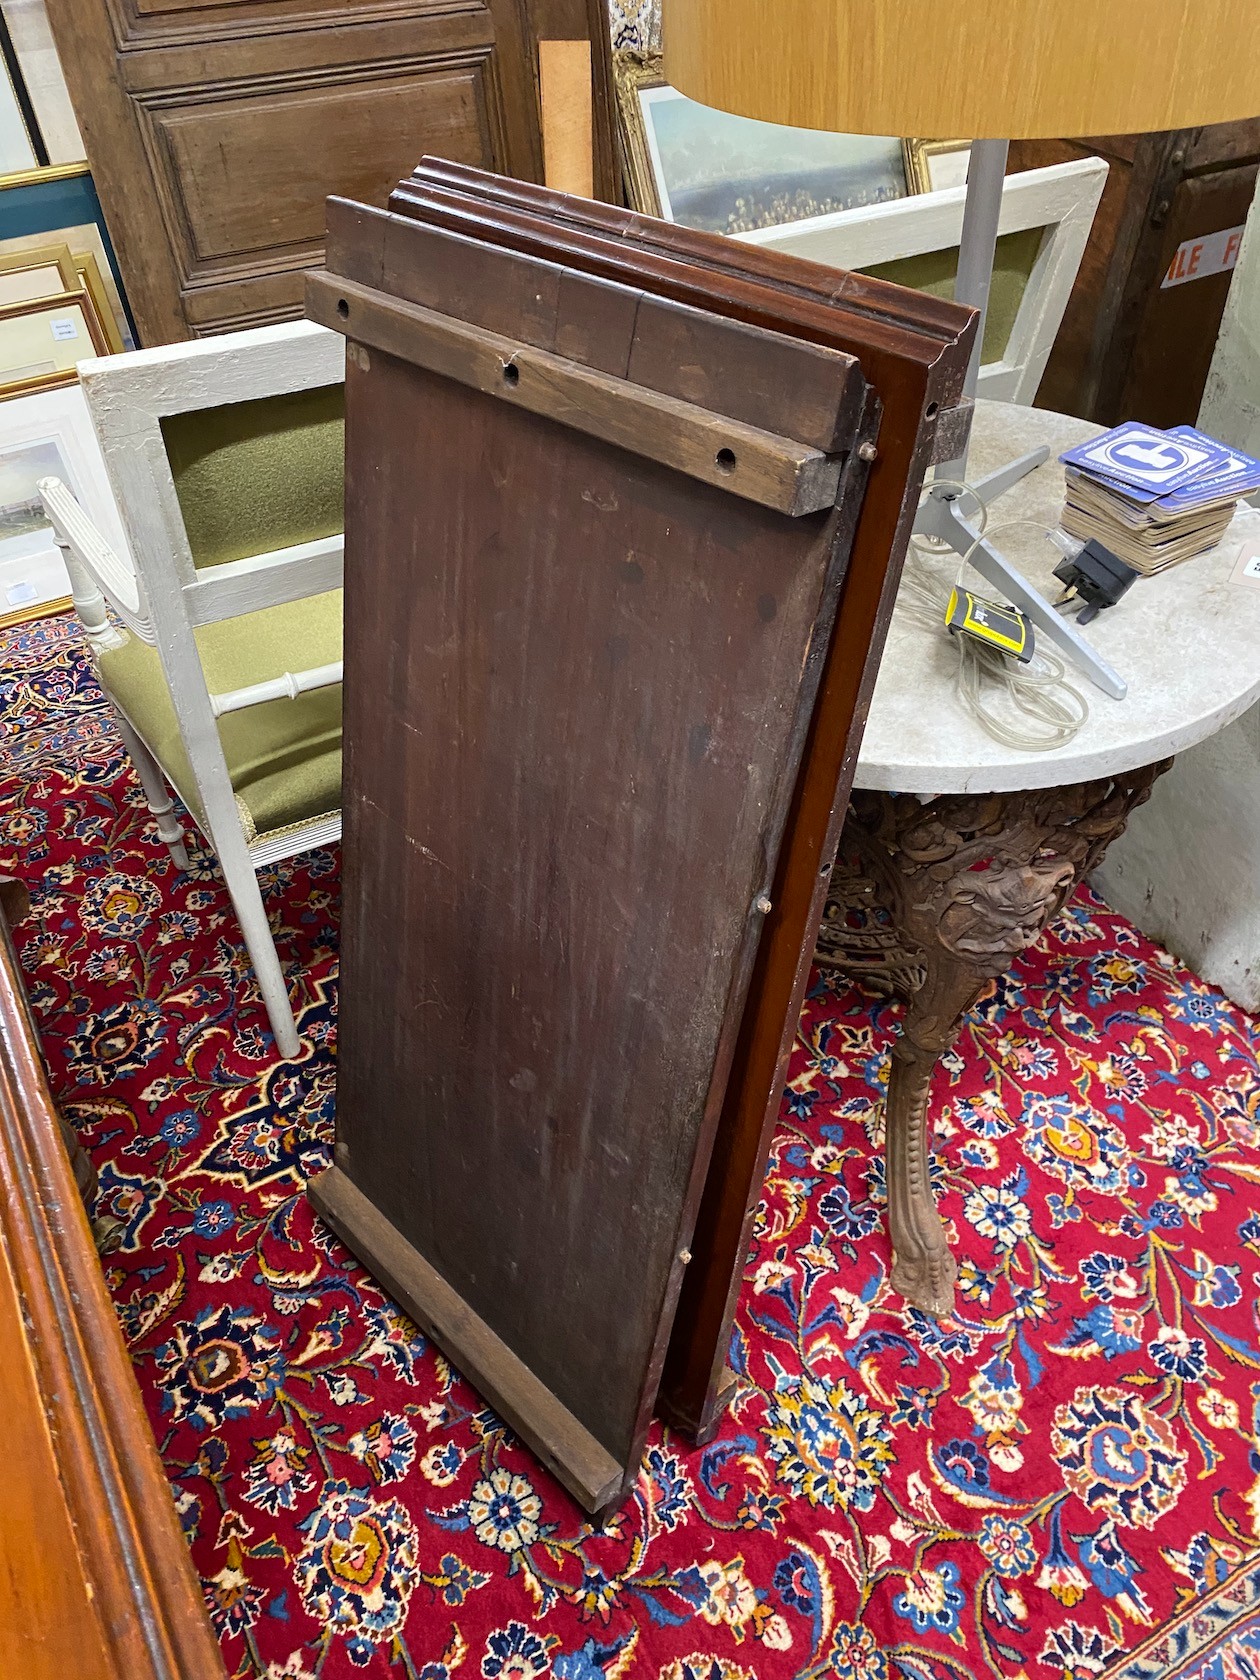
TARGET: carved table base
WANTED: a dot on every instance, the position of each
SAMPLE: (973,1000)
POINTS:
(933,901)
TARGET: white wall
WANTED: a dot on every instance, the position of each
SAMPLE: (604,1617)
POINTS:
(1231,399)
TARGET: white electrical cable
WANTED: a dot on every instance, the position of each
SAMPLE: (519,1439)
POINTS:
(987,678)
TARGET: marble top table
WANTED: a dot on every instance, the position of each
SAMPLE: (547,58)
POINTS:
(1187,643)
(967,847)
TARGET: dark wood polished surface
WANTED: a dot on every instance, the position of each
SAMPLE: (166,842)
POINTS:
(642,695)
(913,351)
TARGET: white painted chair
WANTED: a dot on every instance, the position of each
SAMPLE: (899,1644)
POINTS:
(225,457)
(1046,218)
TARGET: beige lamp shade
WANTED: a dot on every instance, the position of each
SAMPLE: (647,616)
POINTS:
(986,69)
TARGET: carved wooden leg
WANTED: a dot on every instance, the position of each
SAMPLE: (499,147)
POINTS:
(923,1269)
(969,881)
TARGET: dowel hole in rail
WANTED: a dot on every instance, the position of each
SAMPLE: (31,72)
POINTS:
(725,459)
(343,308)
(511,374)
(931,411)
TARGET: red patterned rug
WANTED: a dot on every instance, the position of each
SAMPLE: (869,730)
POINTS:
(1060,1480)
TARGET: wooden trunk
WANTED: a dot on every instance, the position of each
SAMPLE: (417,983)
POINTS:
(601,507)
(1131,347)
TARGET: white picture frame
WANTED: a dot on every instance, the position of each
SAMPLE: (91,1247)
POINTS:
(46,432)
(1059,200)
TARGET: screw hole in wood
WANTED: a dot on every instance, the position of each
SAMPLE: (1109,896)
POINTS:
(931,411)
(511,374)
(343,308)
(725,459)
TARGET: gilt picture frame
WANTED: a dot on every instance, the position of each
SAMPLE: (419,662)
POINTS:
(40,272)
(43,339)
(35,271)
(936,165)
(60,205)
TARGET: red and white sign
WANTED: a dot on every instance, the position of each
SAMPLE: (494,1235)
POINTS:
(1210,253)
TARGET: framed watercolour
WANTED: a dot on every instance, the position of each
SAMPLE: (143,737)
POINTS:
(44,338)
(59,206)
(46,433)
(707,169)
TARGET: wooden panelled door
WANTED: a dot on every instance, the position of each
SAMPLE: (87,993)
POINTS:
(215,131)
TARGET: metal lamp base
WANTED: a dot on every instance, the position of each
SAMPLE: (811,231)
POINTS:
(939,515)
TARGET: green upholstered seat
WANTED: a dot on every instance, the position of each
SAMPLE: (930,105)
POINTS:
(284,756)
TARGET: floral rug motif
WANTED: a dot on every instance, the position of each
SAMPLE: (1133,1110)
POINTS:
(1060,1480)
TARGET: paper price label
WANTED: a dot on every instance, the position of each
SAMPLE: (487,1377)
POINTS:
(1210,253)
(1248,568)
(64,329)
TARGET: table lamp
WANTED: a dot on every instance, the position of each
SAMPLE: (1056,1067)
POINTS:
(993,70)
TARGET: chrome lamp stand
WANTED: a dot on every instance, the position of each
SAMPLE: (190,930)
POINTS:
(939,515)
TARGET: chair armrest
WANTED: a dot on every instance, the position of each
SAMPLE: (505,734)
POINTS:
(95,570)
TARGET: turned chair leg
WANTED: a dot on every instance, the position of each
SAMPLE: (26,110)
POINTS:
(157,795)
(251,912)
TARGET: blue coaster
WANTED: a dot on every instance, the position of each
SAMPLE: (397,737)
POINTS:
(1148,459)
(1238,477)
(1130,492)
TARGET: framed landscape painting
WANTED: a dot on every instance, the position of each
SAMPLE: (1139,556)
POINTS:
(707,169)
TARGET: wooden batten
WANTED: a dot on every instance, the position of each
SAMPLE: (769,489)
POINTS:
(608,321)
(591,1474)
(774,471)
